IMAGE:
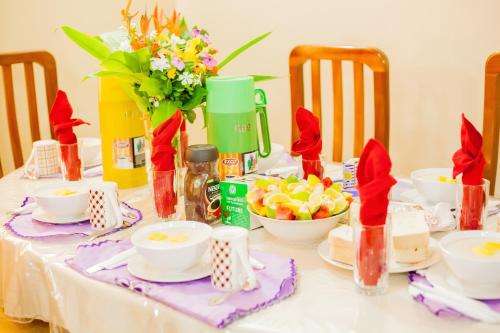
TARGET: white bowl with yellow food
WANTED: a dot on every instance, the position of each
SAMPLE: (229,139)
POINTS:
(473,256)
(435,184)
(63,199)
(174,246)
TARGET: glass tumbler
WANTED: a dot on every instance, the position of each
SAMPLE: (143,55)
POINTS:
(71,164)
(371,257)
(472,202)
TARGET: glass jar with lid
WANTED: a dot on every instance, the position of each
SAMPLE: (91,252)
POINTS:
(201,185)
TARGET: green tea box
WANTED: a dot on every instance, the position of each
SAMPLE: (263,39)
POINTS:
(234,203)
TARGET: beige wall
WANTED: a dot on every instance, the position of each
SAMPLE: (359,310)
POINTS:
(437,51)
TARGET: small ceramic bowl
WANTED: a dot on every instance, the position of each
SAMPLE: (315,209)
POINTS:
(174,255)
(471,269)
(427,183)
(58,200)
(299,231)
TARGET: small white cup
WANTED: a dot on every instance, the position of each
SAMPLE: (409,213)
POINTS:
(43,160)
(104,207)
(231,268)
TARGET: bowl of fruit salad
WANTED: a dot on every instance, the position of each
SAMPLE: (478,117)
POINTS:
(298,210)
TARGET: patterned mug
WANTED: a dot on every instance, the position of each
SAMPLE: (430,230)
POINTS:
(231,268)
(104,207)
(43,160)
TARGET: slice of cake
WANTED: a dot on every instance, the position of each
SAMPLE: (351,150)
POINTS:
(341,244)
(410,237)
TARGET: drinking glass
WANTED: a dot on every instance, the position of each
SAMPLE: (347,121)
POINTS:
(71,164)
(371,257)
(165,194)
(472,202)
(312,167)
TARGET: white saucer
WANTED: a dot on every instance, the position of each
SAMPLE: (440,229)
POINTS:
(42,216)
(441,276)
(142,270)
(394,267)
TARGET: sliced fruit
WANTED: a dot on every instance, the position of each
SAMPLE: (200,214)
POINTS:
(327,182)
(337,186)
(321,213)
(313,180)
(340,205)
(294,205)
(262,183)
(255,200)
(292,179)
(303,213)
(292,186)
(284,213)
(348,196)
(301,195)
(314,202)
(275,198)
(332,193)
(271,211)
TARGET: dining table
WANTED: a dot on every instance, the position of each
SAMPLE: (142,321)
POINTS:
(36,283)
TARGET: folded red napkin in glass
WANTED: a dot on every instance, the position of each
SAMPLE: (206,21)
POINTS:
(469,161)
(62,124)
(163,159)
(374,184)
(309,144)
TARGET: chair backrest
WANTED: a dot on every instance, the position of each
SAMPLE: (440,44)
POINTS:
(375,59)
(491,118)
(47,61)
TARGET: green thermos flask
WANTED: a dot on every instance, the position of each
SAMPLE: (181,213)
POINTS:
(233,104)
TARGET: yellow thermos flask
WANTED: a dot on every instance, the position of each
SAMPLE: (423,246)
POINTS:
(122,134)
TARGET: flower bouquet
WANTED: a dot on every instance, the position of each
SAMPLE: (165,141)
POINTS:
(163,65)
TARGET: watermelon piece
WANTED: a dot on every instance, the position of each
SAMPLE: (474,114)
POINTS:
(327,182)
(322,213)
(284,213)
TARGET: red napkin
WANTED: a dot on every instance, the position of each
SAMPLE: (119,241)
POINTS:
(469,161)
(62,124)
(163,159)
(309,144)
(374,184)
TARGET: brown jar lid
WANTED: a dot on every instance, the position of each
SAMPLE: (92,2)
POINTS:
(201,153)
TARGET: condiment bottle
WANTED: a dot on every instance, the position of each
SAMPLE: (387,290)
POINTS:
(201,184)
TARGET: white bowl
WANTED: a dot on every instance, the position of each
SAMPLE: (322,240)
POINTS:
(269,162)
(473,270)
(173,256)
(91,151)
(299,231)
(428,185)
(73,205)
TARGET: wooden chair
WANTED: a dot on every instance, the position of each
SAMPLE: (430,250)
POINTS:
(47,61)
(491,118)
(374,59)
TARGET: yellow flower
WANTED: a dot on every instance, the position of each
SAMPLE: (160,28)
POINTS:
(199,68)
(171,73)
(189,53)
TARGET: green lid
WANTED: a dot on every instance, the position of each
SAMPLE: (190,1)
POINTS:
(230,94)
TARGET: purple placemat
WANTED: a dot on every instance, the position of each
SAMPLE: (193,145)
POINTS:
(441,310)
(26,227)
(277,281)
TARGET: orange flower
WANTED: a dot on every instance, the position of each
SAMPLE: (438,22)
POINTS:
(145,23)
(127,17)
(175,24)
(138,43)
(155,47)
(158,20)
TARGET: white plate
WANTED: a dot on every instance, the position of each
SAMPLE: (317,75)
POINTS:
(394,267)
(142,270)
(41,216)
(441,276)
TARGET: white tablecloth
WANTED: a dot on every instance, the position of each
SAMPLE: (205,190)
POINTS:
(35,283)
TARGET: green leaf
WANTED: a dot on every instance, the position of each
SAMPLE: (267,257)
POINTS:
(197,98)
(164,111)
(151,86)
(92,45)
(116,62)
(259,78)
(204,113)
(131,78)
(191,116)
(242,49)
(167,87)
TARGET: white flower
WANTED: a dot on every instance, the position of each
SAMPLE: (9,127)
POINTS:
(160,63)
(197,79)
(186,78)
(177,40)
(154,101)
(152,34)
(125,46)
